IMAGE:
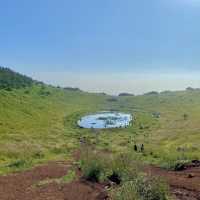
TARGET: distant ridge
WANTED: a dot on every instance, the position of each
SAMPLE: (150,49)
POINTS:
(72,89)
(125,94)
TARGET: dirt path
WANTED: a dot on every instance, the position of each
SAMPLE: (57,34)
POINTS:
(185,185)
(21,186)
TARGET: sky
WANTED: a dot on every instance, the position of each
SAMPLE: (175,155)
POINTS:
(108,46)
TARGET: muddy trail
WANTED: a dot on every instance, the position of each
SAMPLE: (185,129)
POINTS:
(185,184)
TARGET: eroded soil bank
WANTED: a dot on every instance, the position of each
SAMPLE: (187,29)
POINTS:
(185,185)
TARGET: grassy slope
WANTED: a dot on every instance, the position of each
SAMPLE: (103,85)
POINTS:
(163,137)
(36,126)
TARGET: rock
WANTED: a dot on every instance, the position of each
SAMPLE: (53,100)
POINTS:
(196,162)
(190,175)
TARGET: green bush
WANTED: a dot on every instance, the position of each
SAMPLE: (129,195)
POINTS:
(142,188)
(92,171)
(124,166)
(126,192)
(135,185)
(150,188)
(174,162)
(19,164)
(92,166)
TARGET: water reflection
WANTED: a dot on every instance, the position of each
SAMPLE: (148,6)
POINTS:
(106,120)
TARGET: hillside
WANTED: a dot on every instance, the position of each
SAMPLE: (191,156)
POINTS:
(38,124)
(10,79)
(42,119)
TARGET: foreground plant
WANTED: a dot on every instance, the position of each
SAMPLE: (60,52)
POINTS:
(125,172)
(142,188)
(92,165)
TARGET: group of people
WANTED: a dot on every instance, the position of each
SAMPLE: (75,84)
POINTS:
(139,148)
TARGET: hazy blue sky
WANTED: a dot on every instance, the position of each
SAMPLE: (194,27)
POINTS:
(103,45)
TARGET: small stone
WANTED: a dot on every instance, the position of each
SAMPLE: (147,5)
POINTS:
(190,175)
(107,187)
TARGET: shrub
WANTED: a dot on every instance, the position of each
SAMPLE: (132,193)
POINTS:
(38,155)
(185,116)
(174,162)
(126,192)
(92,166)
(124,166)
(19,164)
(142,188)
(44,92)
(27,92)
(150,188)
(141,126)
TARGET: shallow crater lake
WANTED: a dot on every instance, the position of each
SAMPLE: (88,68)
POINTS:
(103,120)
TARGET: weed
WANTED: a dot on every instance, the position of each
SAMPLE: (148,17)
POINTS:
(71,175)
(92,165)
(142,188)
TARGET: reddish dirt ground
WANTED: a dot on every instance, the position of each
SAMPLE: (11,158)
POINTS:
(185,185)
(20,186)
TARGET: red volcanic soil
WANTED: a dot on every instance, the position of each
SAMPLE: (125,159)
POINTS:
(185,185)
(20,186)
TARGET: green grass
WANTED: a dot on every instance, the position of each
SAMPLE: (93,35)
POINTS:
(125,172)
(38,124)
(142,188)
(35,128)
(71,176)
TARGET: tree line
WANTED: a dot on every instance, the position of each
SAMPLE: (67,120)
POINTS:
(10,79)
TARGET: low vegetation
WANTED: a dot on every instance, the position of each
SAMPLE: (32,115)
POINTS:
(125,172)
(68,178)
(142,188)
